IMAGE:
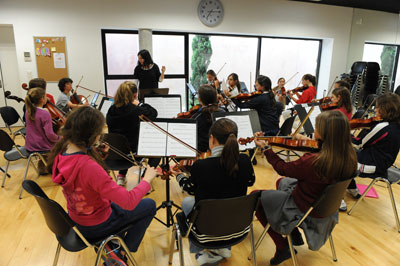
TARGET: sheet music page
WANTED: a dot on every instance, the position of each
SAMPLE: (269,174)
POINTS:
(152,142)
(186,132)
(106,105)
(244,129)
(172,106)
(167,107)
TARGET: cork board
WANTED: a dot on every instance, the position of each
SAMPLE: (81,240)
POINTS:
(51,58)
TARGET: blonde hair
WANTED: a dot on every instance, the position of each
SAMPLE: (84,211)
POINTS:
(33,98)
(124,94)
(337,159)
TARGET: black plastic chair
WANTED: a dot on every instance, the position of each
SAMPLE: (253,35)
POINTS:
(120,157)
(10,117)
(326,205)
(392,177)
(12,152)
(66,231)
(216,223)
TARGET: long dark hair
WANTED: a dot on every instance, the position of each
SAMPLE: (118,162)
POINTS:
(145,54)
(235,77)
(208,97)
(337,159)
(265,82)
(345,100)
(212,73)
(225,131)
(37,82)
(310,78)
(82,127)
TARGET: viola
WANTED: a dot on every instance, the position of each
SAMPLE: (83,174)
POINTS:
(364,123)
(78,99)
(189,113)
(246,96)
(287,143)
(299,89)
(186,164)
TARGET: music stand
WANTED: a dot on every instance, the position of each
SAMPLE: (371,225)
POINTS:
(193,91)
(167,106)
(154,91)
(154,143)
(302,113)
(247,122)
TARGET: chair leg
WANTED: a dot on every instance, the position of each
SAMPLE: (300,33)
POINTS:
(113,174)
(127,251)
(26,173)
(5,174)
(396,215)
(292,252)
(258,243)
(180,247)
(363,195)
(332,248)
(57,255)
(252,245)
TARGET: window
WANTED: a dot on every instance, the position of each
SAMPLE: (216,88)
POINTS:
(286,57)
(386,56)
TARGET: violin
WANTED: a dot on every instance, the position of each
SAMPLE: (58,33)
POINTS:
(189,113)
(299,89)
(246,96)
(327,104)
(364,123)
(78,99)
(308,145)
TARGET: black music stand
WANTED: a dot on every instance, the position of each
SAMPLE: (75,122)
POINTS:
(192,91)
(156,91)
(302,113)
(168,149)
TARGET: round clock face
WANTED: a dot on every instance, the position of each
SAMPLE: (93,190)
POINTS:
(210,12)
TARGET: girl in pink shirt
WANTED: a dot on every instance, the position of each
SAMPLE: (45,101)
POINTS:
(94,201)
(39,128)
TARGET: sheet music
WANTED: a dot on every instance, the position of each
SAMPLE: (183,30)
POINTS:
(244,129)
(106,105)
(187,133)
(152,142)
(167,107)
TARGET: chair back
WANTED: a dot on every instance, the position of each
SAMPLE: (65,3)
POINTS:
(221,217)
(9,115)
(6,142)
(329,201)
(119,142)
(286,128)
(56,218)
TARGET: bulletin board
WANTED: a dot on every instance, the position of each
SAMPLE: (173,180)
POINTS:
(51,58)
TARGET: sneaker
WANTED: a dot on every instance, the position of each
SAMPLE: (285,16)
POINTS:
(281,256)
(223,252)
(121,180)
(205,258)
(343,206)
(111,258)
(354,192)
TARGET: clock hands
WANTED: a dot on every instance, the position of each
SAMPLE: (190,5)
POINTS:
(212,11)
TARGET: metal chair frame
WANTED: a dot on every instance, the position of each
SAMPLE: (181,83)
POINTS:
(72,225)
(389,187)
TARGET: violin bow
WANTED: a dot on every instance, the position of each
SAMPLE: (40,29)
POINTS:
(148,120)
(220,69)
(333,83)
(295,74)
(120,153)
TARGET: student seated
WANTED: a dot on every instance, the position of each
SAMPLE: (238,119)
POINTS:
(64,99)
(305,179)
(225,174)
(94,201)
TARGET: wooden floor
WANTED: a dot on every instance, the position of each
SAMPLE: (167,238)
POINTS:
(368,237)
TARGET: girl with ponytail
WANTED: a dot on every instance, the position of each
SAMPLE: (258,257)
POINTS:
(39,128)
(225,174)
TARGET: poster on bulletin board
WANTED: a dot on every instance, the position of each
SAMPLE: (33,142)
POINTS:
(51,58)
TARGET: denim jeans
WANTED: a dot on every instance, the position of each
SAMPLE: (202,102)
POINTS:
(140,217)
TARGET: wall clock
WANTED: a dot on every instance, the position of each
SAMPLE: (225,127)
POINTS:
(210,12)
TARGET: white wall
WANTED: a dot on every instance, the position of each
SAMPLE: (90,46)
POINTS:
(9,67)
(81,21)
